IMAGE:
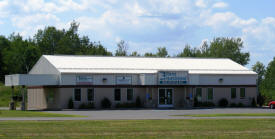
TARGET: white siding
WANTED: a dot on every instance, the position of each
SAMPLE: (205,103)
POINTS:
(110,79)
(43,66)
(31,79)
(148,79)
(67,79)
(226,79)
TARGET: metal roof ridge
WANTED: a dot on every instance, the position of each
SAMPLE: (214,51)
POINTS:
(136,57)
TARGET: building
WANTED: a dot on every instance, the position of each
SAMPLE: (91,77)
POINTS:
(158,82)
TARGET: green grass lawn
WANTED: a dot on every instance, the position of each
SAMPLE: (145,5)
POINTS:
(7,113)
(229,114)
(157,129)
(5,95)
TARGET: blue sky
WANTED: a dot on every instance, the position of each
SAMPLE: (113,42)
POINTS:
(148,24)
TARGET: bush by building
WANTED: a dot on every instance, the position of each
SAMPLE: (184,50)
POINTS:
(138,102)
(106,103)
(223,102)
(89,105)
(70,104)
(126,105)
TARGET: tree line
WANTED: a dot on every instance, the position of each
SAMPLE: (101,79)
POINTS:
(18,55)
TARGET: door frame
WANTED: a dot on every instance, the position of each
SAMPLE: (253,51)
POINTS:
(167,105)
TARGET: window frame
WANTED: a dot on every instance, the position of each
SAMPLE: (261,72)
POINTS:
(132,94)
(242,97)
(92,93)
(119,94)
(208,94)
(231,92)
(196,95)
(75,95)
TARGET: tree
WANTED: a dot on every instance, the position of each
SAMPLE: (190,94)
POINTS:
(149,55)
(229,48)
(187,52)
(135,53)
(4,43)
(259,68)
(20,56)
(267,86)
(48,40)
(219,48)
(162,52)
(122,48)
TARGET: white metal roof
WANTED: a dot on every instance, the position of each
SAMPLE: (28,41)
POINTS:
(103,64)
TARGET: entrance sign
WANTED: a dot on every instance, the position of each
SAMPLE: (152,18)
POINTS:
(84,80)
(172,78)
(123,80)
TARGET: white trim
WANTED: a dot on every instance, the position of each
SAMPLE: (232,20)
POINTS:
(166,105)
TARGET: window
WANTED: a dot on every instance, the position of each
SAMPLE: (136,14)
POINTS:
(210,93)
(233,93)
(130,94)
(198,93)
(242,93)
(90,94)
(117,94)
(50,97)
(77,94)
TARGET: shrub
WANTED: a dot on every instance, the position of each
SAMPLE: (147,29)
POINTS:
(223,102)
(105,103)
(253,103)
(240,104)
(71,103)
(89,105)
(260,100)
(126,105)
(82,106)
(206,104)
(138,102)
(233,105)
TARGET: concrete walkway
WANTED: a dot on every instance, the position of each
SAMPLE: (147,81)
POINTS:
(150,114)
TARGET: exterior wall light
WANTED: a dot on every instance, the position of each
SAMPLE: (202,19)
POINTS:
(104,79)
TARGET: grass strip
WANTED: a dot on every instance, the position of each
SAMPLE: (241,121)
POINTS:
(140,129)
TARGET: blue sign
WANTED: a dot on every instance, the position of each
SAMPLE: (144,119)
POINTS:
(171,78)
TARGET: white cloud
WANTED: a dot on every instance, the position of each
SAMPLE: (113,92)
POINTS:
(201,3)
(145,24)
(29,24)
(3,8)
(220,5)
(220,19)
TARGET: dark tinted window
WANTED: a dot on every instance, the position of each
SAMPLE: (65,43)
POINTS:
(117,94)
(77,94)
(90,94)
(130,94)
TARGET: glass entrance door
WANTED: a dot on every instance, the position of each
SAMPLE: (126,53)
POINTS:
(165,97)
